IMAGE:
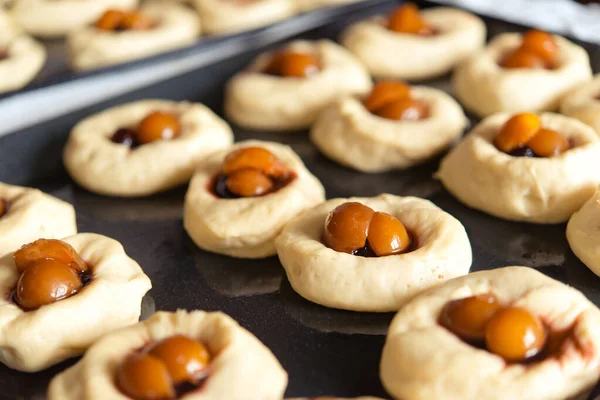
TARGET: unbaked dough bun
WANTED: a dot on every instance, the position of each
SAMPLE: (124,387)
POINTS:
(540,190)
(583,103)
(484,87)
(246,227)
(379,284)
(112,169)
(259,101)
(56,18)
(226,17)
(24,56)
(176,26)
(390,54)
(583,233)
(34,340)
(242,366)
(422,360)
(31,215)
(349,134)
(307,5)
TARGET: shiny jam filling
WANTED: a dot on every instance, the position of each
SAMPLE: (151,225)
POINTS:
(407,19)
(250,172)
(155,126)
(359,230)
(292,64)
(166,369)
(3,207)
(393,100)
(513,333)
(118,21)
(523,136)
(50,270)
(538,50)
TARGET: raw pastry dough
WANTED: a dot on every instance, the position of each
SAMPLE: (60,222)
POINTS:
(379,284)
(583,103)
(422,360)
(104,167)
(177,26)
(246,227)
(484,87)
(35,340)
(31,215)
(349,134)
(242,368)
(583,233)
(307,5)
(54,18)
(540,190)
(222,17)
(25,56)
(260,101)
(390,54)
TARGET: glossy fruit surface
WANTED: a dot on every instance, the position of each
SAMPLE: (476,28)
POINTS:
(515,334)
(110,20)
(347,226)
(387,235)
(257,158)
(144,377)
(292,64)
(523,59)
(405,109)
(186,359)
(407,19)
(540,43)
(46,282)
(48,249)
(385,92)
(517,131)
(158,125)
(468,317)
(249,183)
(548,143)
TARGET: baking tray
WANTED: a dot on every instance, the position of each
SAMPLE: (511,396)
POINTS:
(325,351)
(56,70)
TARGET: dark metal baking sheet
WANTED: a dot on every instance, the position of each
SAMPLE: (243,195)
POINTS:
(56,69)
(325,351)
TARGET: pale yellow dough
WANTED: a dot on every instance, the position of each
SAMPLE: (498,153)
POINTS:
(307,5)
(242,366)
(348,133)
(226,17)
(483,87)
(390,54)
(583,103)
(246,227)
(25,56)
(379,284)
(583,233)
(112,169)
(177,26)
(31,215)
(34,340)
(260,101)
(540,190)
(422,360)
(55,18)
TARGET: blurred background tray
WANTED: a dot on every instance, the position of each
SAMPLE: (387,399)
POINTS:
(56,69)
